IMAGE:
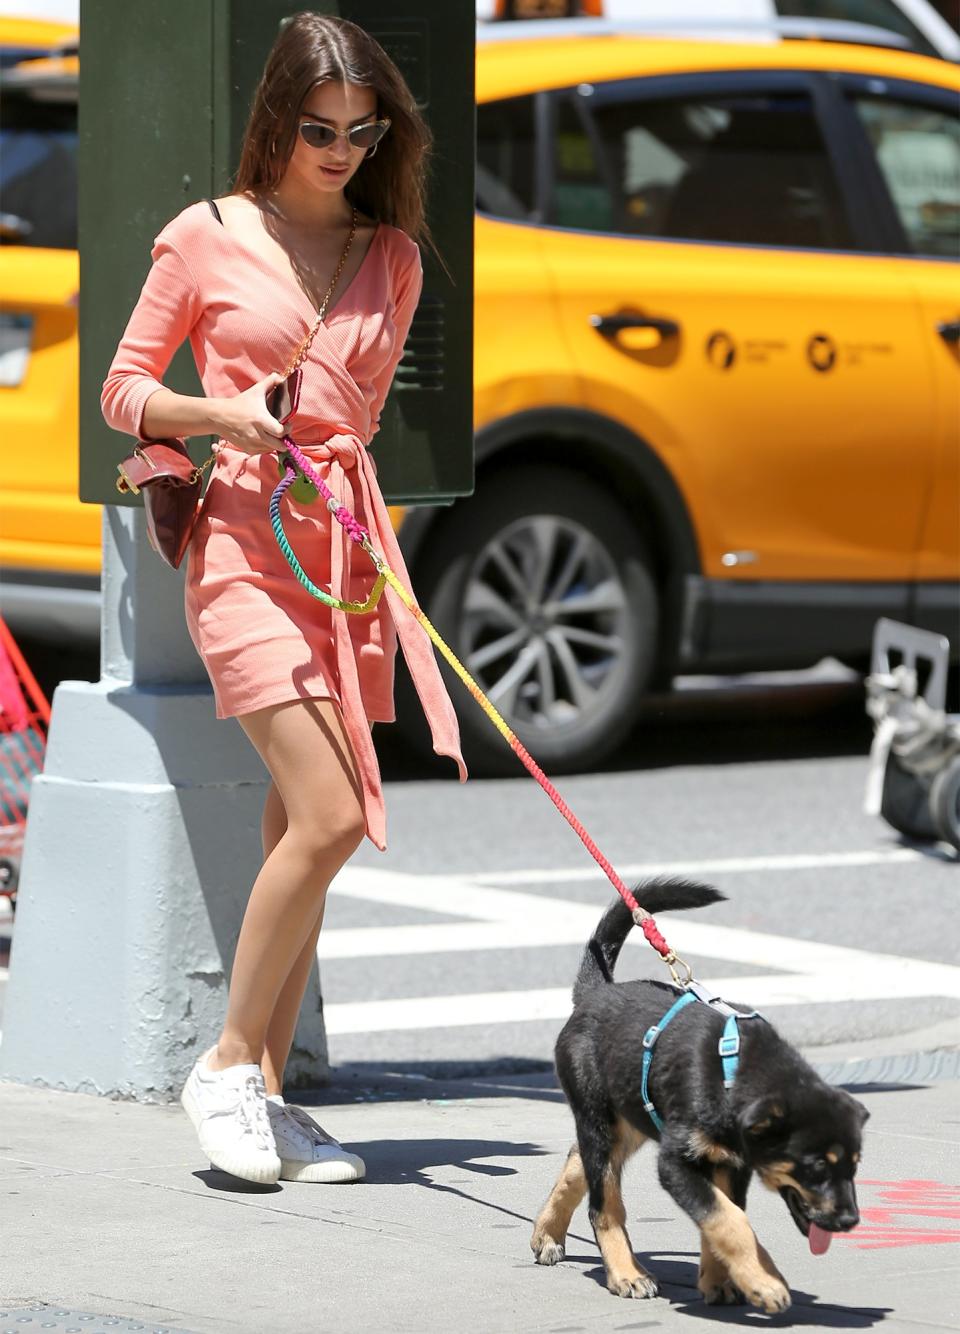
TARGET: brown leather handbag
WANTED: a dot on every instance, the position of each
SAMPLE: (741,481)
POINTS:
(172,486)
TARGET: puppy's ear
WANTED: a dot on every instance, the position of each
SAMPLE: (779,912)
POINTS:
(763,1117)
(857,1109)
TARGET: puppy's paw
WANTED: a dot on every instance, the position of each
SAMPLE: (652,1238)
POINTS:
(546,1251)
(723,1292)
(638,1285)
(770,1293)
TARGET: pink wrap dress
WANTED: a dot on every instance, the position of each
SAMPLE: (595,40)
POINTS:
(263,639)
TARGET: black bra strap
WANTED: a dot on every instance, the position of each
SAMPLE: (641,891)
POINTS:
(215,211)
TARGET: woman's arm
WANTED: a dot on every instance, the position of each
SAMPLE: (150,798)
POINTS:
(243,420)
(409,285)
(136,402)
(168,307)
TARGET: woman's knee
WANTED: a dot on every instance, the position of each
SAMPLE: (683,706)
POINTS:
(332,834)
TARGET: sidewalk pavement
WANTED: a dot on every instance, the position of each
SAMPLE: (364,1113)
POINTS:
(111,1220)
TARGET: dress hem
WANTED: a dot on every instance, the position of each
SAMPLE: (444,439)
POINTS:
(271,699)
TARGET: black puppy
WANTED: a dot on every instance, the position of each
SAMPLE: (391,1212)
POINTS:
(778,1119)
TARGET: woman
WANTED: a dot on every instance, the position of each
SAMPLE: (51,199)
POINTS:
(318,235)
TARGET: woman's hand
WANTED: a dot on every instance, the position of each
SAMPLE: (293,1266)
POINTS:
(245,421)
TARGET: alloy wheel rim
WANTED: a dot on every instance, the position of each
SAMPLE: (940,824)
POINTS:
(544,623)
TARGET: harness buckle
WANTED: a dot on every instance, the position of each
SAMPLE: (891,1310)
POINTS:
(729,1044)
(650,1037)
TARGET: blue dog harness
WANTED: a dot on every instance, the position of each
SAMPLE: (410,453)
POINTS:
(728,1046)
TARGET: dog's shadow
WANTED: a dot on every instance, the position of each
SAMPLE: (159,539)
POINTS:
(407,1161)
(676,1272)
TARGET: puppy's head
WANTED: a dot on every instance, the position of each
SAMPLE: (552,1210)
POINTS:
(807,1147)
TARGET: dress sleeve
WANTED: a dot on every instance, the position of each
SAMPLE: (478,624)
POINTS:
(409,285)
(167,309)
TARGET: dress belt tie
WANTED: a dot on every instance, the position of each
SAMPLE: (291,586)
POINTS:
(352,470)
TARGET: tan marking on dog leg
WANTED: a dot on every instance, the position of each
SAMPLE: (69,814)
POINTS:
(627,1139)
(625,1278)
(701,1146)
(550,1229)
(732,1240)
(713,1280)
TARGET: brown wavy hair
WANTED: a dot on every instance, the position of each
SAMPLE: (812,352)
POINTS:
(312,48)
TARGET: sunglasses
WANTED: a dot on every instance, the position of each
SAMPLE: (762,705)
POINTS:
(359,136)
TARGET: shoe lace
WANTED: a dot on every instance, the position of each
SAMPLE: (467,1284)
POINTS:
(253,1108)
(306,1123)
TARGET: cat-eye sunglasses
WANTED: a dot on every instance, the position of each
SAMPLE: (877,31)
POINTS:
(367,135)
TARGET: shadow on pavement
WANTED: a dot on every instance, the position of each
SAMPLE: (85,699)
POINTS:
(805,1310)
(214,1179)
(407,1161)
(435,1081)
(709,720)
(676,1273)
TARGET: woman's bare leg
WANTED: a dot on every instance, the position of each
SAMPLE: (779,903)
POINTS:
(305,747)
(283,1021)
(286,1012)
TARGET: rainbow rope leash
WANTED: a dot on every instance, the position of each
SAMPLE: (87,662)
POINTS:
(295,464)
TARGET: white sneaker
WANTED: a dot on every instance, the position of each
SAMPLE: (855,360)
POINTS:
(307,1152)
(229,1113)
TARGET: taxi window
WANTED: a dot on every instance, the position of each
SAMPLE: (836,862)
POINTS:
(747,168)
(38,173)
(506,158)
(917,149)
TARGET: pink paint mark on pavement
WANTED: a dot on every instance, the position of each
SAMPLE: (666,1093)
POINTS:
(913,1199)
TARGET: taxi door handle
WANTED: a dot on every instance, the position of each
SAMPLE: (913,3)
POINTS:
(949,331)
(611,325)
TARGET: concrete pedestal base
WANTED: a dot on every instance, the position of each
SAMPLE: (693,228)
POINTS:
(142,844)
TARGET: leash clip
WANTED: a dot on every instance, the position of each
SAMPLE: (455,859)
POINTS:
(672,960)
(374,555)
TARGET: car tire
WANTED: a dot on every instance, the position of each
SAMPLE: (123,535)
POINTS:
(945,802)
(518,515)
(905,802)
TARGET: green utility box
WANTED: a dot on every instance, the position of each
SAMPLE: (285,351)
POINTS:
(165,92)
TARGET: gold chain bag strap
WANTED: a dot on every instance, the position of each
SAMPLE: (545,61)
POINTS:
(172,484)
(282,401)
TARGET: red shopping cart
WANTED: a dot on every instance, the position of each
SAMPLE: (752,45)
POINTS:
(24,721)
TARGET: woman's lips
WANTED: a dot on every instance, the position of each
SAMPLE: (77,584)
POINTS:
(334,171)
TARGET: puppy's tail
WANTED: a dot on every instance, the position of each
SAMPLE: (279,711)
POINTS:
(600,956)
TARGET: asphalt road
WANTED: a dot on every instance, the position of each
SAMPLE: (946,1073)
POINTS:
(454,952)
(457,948)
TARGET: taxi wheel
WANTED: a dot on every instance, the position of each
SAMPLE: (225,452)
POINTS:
(541,585)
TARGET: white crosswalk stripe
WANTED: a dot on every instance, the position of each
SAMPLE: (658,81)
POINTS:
(499,918)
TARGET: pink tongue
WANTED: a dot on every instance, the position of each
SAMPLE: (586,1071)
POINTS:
(819,1240)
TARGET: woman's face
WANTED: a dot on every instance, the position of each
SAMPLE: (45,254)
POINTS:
(341,106)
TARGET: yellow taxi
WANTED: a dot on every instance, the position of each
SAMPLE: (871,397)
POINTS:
(717,372)
(717,377)
(49,542)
